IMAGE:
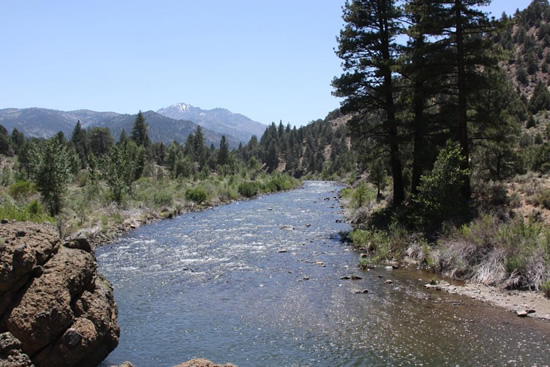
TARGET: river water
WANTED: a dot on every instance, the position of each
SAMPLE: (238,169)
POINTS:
(258,283)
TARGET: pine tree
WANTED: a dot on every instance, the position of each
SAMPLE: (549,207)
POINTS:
(5,143)
(199,147)
(223,153)
(369,52)
(101,140)
(79,139)
(17,140)
(540,100)
(462,28)
(51,172)
(140,131)
(423,72)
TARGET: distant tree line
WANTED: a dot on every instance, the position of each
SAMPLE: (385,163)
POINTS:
(52,163)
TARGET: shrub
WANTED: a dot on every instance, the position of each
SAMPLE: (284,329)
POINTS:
(162,198)
(545,287)
(248,189)
(33,212)
(196,194)
(22,190)
(543,199)
(362,195)
(439,198)
(382,244)
(491,251)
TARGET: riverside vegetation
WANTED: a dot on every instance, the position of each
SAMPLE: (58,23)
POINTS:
(89,185)
(458,117)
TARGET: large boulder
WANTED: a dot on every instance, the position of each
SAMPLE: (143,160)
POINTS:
(54,306)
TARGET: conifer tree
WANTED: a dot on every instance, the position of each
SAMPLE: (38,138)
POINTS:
(223,153)
(101,140)
(79,139)
(140,131)
(367,45)
(52,163)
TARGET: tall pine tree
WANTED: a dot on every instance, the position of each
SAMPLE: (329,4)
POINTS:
(140,131)
(369,52)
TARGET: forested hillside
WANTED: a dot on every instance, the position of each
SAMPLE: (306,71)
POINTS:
(458,116)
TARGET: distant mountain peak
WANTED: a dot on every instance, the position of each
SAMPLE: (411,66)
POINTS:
(181,107)
(219,120)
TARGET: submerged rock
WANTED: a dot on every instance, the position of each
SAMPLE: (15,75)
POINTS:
(55,309)
(201,362)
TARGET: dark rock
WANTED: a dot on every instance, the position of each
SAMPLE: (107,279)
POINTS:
(37,271)
(11,354)
(53,301)
(362,291)
(5,221)
(8,342)
(79,243)
(20,234)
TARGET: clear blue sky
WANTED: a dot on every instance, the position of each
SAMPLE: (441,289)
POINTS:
(269,60)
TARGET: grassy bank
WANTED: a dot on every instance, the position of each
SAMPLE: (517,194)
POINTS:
(497,247)
(88,208)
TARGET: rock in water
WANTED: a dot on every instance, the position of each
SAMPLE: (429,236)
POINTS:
(55,308)
(201,362)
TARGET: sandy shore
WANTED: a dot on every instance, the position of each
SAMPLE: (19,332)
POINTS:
(523,303)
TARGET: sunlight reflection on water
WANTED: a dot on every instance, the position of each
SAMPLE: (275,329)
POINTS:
(257,283)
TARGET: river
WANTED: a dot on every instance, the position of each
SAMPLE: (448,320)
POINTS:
(259,283)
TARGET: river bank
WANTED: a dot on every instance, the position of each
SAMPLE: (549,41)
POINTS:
(522,303)
(138,217)
(155,201)
(476,254)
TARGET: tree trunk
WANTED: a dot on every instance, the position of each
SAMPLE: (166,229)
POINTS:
(462,103)
(418,124)
(395,160)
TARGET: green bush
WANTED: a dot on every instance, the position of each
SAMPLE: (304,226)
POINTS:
(488,250)
(22,190)
(439,197)
(162,198)
(362,195)
(248,189)
(33,212)
(196,194)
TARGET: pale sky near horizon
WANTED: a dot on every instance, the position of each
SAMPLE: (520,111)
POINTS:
(268,60)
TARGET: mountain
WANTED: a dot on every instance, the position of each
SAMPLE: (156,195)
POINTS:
(43,123)
(219,120)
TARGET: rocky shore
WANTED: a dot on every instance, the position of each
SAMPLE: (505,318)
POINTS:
(522,303)
(55,308)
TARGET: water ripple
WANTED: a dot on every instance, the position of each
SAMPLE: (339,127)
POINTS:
(257,283)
